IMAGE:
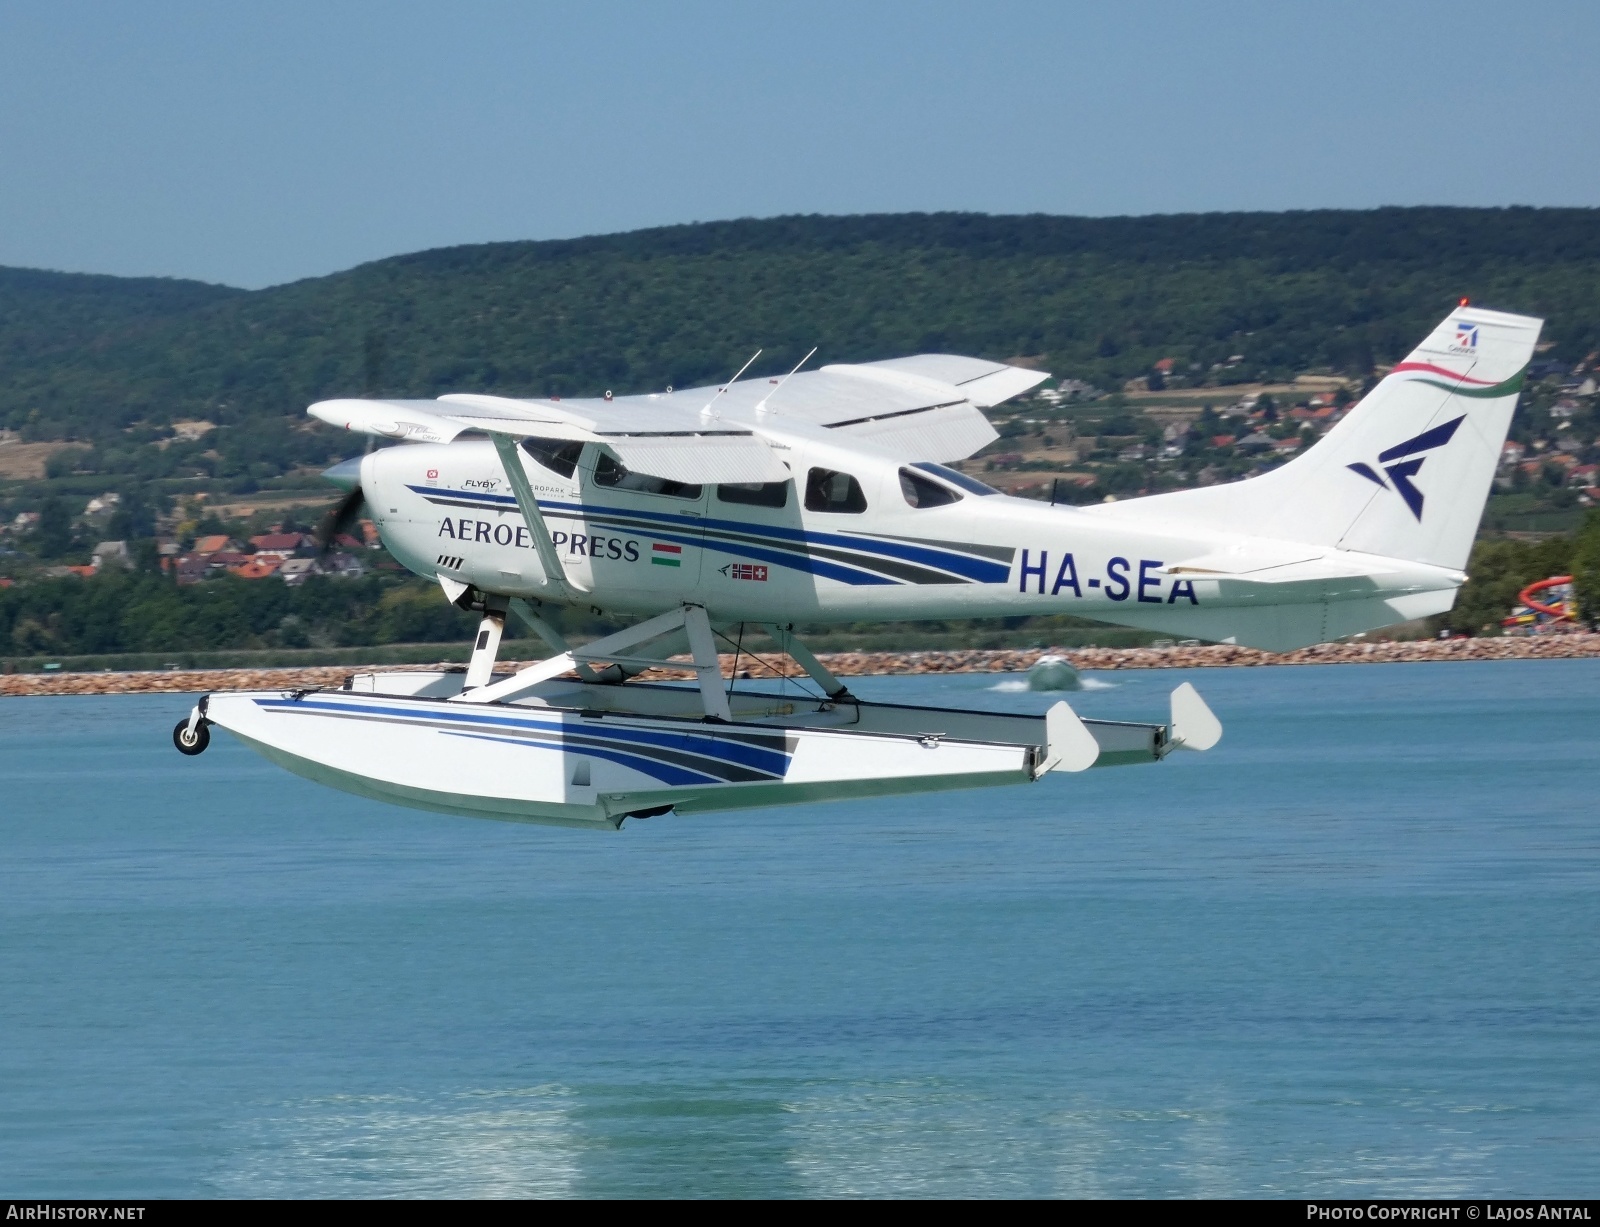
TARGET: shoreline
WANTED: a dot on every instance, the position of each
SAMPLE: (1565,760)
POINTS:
(858,664)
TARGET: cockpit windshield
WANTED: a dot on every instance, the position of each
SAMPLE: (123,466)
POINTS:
(956,478)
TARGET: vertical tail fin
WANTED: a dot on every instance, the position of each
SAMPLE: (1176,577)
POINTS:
(1407,472)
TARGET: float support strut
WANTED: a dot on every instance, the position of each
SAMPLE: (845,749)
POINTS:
(784,637)
(613,648)
(486,647)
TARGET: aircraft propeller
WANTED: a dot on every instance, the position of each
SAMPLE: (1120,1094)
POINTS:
(342,517)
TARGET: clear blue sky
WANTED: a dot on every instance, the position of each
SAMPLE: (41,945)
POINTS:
(259,144)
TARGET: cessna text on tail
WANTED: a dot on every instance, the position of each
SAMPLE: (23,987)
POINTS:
(825,496)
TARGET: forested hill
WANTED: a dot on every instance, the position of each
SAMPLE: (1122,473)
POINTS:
(103,359)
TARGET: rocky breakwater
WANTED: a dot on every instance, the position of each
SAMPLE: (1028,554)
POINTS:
(858,664)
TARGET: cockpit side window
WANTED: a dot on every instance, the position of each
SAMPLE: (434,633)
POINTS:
(920,491)
(608,472)
(754,493)
(827,490)
(557,455)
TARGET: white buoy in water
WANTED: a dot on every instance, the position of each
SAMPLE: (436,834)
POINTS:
(1053,673)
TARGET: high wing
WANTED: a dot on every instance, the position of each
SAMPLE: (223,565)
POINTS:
(926,407)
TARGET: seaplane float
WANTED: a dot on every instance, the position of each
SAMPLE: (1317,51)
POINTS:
(730,514)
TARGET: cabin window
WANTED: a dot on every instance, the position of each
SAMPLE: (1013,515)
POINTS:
(754,493)
(610,472)
(557,455)
(955,477)
(827,490)
(919,491)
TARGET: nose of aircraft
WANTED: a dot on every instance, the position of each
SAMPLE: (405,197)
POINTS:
(346,474)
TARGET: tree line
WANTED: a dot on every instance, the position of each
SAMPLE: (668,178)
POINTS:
(114,362)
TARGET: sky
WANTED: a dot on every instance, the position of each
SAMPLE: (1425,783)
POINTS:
(259,144)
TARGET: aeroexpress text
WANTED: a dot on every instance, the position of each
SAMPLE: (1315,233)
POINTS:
(1121,581)
(502,533)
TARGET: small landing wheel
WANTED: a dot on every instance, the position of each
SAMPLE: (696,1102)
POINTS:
(191,743)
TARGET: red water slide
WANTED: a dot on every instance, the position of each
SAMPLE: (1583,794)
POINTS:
(1554,611)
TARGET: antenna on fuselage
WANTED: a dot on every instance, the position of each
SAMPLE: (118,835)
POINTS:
(706,411)
(761,407)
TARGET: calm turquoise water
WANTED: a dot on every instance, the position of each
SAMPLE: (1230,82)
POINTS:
(1350,952)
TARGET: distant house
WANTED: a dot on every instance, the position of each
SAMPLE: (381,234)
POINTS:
(104,505)
(111,554)
(345,566)
(1566,407)
(1584,476)
(206,546)
(1222,440)
(1511,453)
(256,566)
(1285,446)
(191,568)
(226,560)
(1165,365)
(1077,389)
(295,570)
(279,545)
(1256,442)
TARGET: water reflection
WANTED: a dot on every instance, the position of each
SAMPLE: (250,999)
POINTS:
(512,1143)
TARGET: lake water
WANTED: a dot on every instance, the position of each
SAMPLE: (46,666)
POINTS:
(1350,952)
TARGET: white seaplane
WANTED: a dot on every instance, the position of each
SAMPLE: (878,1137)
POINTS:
(824,497)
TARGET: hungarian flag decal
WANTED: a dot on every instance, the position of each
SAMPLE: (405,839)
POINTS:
(663,555)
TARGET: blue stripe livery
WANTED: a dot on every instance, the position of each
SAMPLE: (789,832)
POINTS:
(655,752)
(692,530)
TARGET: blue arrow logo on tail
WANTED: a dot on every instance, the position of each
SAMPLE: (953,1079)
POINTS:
(1407,461)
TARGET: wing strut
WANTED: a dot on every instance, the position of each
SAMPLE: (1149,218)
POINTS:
(549,561)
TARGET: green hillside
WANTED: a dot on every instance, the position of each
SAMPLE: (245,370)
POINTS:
(97,358)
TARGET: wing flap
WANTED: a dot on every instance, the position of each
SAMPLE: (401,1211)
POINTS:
(984,383)
(941,433)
